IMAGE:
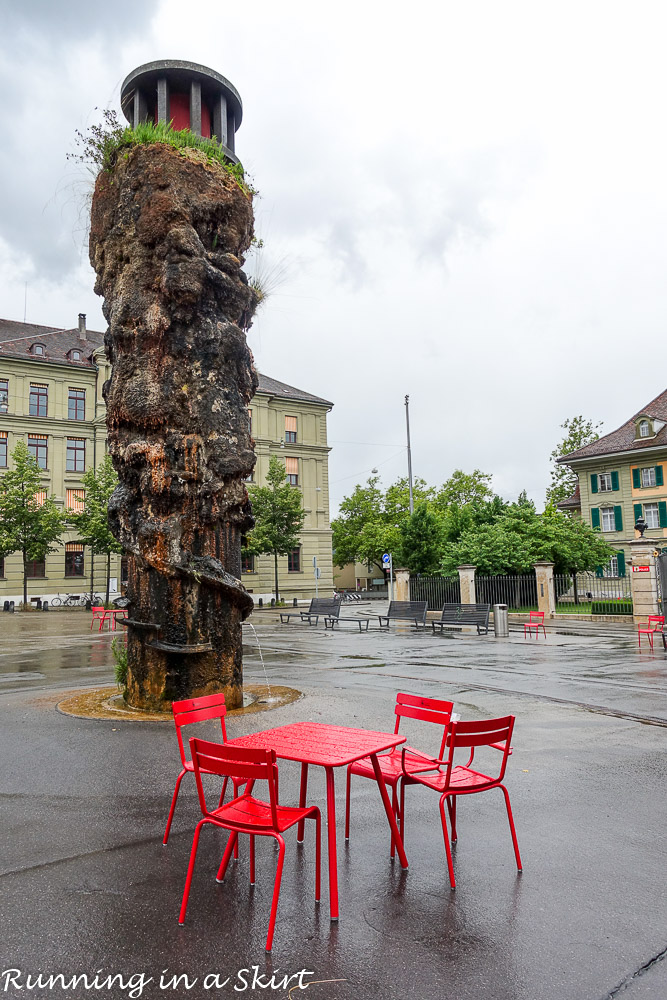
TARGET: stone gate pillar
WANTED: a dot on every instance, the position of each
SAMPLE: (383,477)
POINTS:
(401,584)
(643,579)
(546,594)
(467,580)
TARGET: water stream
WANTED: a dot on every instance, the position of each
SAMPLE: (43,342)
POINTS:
(259,647)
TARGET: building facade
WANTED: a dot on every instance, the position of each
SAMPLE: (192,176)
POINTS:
(51,398)
(622,477)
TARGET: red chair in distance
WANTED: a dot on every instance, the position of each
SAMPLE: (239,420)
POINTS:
(101,615)
(246,814)
(535,620)
(656,623)
(210,706)
(408,706)
(451,781)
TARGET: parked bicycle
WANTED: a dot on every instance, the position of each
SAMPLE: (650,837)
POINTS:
(73,600)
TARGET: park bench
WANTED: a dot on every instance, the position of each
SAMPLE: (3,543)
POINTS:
(454,615)
(319,606)
(414,611)
(330,621)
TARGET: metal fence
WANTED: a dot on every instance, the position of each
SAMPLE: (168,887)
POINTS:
(589,594)
(519,593)
(437,590)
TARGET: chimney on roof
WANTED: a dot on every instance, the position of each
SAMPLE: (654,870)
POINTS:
(82,326)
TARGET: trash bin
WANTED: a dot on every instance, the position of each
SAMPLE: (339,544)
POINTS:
(45,605)
(500,621)
(6,606)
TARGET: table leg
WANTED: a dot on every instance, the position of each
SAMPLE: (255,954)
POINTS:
(331,834)
(302,802)
(389,811)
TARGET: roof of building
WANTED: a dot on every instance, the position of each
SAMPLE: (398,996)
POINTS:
(16,340)
(573,502)
(624,438)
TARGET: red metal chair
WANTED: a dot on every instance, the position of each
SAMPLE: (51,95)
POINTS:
(452,781)
(536,618)
(101,615)
(408,706)
(656,623)
(246,814)
(210,706)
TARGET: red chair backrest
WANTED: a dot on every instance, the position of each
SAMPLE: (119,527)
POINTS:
(658,619)
(410,706)
(496,733)
(96,610)
(209,706)
(536,616)
(243,763)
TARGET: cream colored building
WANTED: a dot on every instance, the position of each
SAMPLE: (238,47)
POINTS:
(51,398)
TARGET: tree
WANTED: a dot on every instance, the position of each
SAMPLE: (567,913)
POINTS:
(92,523)
(578,432)
(421,541)
(30,522)
(278,515)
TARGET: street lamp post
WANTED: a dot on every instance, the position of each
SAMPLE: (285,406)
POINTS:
(407,425)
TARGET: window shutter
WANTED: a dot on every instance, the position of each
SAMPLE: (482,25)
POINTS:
(614,481)
(594,482)
(618,518)
(620,556)
(595,517)
(292,466)
(636,482)
(599,571)
(662,514)
(658,475)
(638,511)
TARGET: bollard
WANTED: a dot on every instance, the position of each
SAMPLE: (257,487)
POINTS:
(260,602)
(88,605)
(45,605)
(295,603)
(273,602)
(5,606)
(501,626)
(11,607)
(38,603)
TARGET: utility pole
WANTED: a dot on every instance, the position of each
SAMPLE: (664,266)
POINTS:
(407,424)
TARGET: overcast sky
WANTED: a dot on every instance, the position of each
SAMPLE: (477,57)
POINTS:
(465,202)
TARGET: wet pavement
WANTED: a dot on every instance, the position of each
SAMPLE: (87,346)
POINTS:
(87,885)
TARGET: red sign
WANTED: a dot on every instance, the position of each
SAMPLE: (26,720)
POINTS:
(640,569)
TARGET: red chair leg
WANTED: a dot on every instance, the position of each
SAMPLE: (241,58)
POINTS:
(448,850)
(173,806)
(191,868)
(276,892)
(318,856)
(229,847)
(252,859)
(402,816)
(451,808)
(302,802)
(512,830)
(347,802)
(394,806)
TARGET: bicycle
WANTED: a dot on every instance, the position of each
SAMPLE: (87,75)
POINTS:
(70,601)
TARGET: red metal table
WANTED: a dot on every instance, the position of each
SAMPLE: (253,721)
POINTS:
(329,747)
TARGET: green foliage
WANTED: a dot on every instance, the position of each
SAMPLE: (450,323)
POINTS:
(578,432)
(25,525)
(520,537)
(119,653)
(421,541)
(92,523)
(279,515)
(102,144)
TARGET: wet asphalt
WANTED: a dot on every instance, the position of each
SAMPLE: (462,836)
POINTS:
(86,884)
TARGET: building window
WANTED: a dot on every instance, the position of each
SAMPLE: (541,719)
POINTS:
(73,559)
(292,471)
(648,476)
(75,355)
(37,349)
(247,563)
(40,498)
(4,395)
(3,449)
(76,404)
(75,500)
(39,400)
(36,569)
(294,561)
(290,430)
(611,569)
(651,515)
(604,482)
(76,455)
(608,519)
(37,446)
(644,429)
(249,420)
